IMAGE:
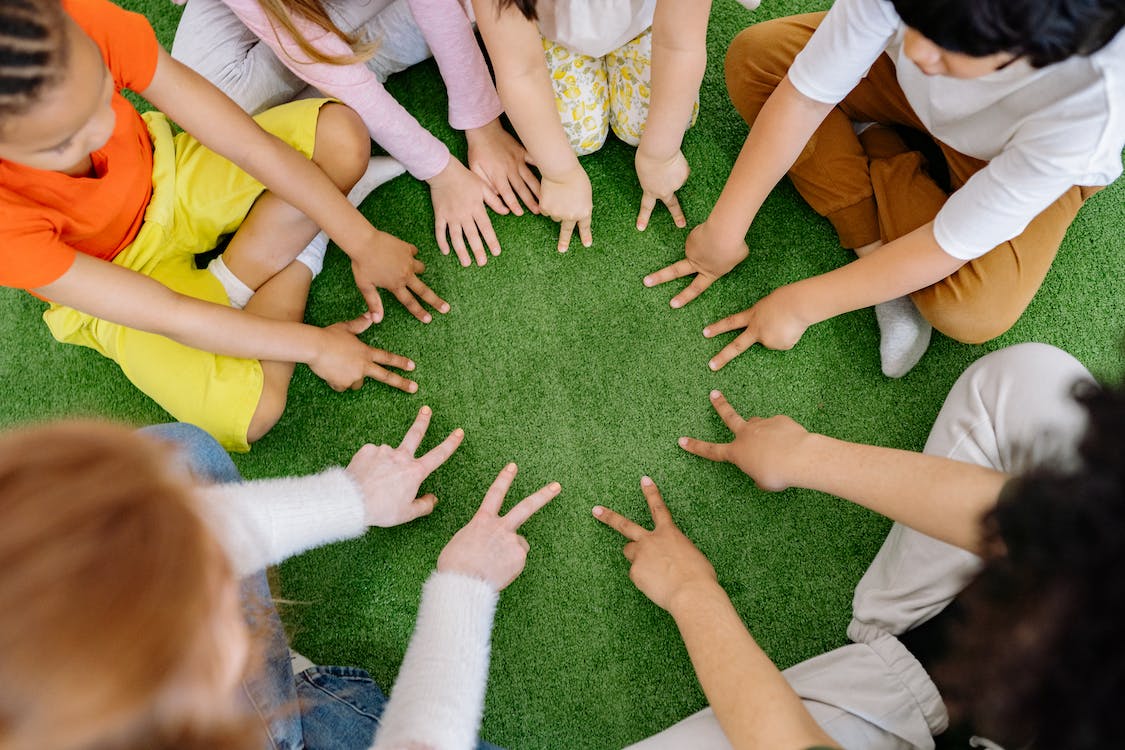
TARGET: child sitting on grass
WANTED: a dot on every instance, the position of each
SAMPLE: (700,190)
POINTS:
(1018,104)
(104,212)
(264,52)
(635,65)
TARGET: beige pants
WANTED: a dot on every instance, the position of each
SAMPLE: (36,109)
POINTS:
(1011,410)
(876,188)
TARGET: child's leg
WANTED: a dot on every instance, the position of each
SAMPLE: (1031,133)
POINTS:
(262,252)
(391,24)
(629,68)
(273,233)
(581,95)
(831,172)
(987,295)
(212,41)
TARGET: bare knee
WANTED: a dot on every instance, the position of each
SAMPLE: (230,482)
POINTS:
(343,145)
(271,405)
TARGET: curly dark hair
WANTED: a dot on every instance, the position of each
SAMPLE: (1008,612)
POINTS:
(1039,660)
(1044,31)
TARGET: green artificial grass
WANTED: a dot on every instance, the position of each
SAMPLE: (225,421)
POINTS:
(567,365)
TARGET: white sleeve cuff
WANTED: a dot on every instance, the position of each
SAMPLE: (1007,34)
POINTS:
(438,698)
(265,521)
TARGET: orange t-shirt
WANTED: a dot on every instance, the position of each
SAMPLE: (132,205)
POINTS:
(47,217)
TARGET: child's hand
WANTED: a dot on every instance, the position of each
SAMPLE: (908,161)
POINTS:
(391,264)
(488,546)
(502,162)
(775,322)
(663,561)
(344,361)
(660,179)
(569,200)
(707,256)
(763,448)
(389,478)
(459,198)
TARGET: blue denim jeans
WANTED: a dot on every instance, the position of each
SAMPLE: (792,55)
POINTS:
(329,708)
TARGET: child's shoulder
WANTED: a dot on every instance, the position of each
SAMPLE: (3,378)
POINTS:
(127,41)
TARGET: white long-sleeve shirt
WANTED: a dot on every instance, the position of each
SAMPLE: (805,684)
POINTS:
(438,698)
(1041,130)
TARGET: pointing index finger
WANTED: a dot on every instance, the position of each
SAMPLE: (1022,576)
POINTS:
(619,523)
(413,437)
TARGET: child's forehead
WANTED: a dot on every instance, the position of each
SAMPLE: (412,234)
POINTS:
(69,102)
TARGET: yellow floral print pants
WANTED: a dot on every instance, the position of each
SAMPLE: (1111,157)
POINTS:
(594,94)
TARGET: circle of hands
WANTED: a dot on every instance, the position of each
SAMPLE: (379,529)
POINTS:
(663,562)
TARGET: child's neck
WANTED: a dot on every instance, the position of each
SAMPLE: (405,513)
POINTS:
(84,168)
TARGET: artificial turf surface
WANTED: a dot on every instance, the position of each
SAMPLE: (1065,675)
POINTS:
(567,365)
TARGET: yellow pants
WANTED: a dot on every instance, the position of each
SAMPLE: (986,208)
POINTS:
(594,94)
(197,197)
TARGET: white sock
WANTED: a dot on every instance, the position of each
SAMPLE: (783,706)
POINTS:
(237,292)
(313,254)
(904,336)
(380,169)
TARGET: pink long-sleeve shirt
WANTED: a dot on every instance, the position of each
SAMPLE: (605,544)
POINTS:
(448,32)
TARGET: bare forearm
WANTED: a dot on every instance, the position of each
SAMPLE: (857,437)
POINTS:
(754,704)
(220,125)
(679,59)
(778,136)
(937,496)
(906,265)
(528,99)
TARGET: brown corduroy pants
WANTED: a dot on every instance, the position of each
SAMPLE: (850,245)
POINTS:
(875,187)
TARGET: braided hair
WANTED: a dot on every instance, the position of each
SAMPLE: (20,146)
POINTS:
(33,52)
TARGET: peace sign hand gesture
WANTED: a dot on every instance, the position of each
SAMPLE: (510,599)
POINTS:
(664,562)
(488,546)
(770,450)
(389,478)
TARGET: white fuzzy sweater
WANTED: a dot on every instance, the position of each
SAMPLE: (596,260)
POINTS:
(438,698)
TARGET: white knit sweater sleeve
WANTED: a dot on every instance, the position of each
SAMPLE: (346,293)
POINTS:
(265,521)
(438,698)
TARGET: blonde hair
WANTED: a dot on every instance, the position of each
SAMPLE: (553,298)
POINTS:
(282,12)
(108,598)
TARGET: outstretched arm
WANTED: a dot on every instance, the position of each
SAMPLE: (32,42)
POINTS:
(379,260)
(937,496)
(438,698)
(785,124)
(136,301)
(525,88)
(679,57)
(752,701)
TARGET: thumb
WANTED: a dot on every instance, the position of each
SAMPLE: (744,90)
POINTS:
(374,304)
(356,326)
(423,506)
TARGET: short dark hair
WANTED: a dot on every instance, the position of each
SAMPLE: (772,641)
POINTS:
(33,51)
(1037,661)
(1043,31)
(529,8)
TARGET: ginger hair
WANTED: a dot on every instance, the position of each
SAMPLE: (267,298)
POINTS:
(282,12)
(108,622)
